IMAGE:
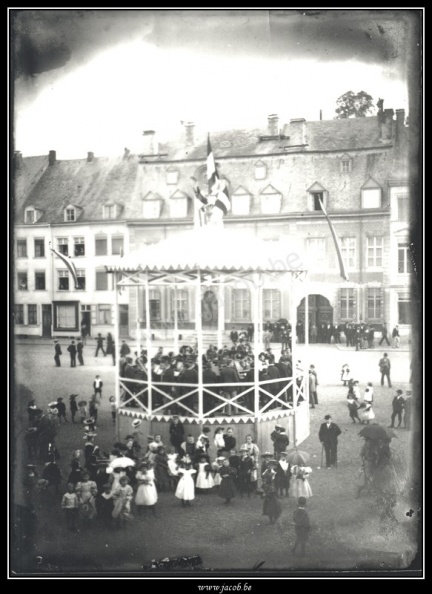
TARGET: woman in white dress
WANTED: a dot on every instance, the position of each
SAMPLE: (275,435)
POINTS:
(146,495)
(345,374)
(204,479)
(219,440)
(186,486)
(300,486)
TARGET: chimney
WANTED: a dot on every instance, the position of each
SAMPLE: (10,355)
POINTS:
(90,157)
(387,126)
(150,145)
(273,124)
(400,129)
(297,132)
(51,157)
(18,160)
(190,134)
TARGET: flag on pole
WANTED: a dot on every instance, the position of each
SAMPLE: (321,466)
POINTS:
(217,187)
(69,263)
(343,272)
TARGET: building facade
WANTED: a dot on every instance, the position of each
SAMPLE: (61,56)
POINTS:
(99,210)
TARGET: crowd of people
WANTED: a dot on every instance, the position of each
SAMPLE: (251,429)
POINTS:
(76,349)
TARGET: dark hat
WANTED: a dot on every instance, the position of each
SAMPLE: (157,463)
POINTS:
(73,396)
(272,461)
(278,426)
(267,455)
(206,429)
(283,453)
(301,500)
(327,417)
(399,391)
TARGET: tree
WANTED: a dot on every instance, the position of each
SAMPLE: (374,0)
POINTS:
(353,104)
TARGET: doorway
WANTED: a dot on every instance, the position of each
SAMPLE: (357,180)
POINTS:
(124,320)
(46,320)
(320,311)
(209,310)
(86,320)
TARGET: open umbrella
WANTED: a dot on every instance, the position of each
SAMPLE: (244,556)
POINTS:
(122,462)
(297,457)
(53,404)
(82,403)
(375,432)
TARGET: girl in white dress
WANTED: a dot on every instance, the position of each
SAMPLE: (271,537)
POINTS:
(219,440)
(345,374)
(146,495)
(186,486)
(216,466)
(204,479)
(367,414)
(173,468)
(300,486)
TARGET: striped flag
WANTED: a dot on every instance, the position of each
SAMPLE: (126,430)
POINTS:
(343,272)
(69,263)
(217,187)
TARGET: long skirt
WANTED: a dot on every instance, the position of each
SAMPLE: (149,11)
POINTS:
(146,495)
(271,506)
(204,480)
(227,488)
(301,488)
(185,488)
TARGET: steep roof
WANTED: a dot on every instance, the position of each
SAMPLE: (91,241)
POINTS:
(26,176)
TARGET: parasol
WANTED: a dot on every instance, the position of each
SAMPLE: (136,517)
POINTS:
(53,404)
(375,432)
(122,462)
(82,403)
(297,457)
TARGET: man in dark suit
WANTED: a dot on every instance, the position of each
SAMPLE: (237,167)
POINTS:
(328,436)
(384,366)
(398,405)
(99,345)
(273,374)
(80,347)
(210,377)
(72,351)
(234,335)
(57,353)
(384,332)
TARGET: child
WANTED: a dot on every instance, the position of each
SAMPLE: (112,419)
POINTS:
(234,460)
(161,470)
(301,486)
(219,441)
(368,395)
(203,441)
(122,497)
(367,414)
(302,525)
(52,474)
(217,465)
(265,463)
(113,408)
(356,390)
(227,488)
(230,440)
(82,410)
(70,507)
(75,475)
(204,479)
(86,491)
(271,505)
(73,406)
(345,374)
(173,468)
(146,495)
(186,487)
(353,407)
(105,506)
(245,470)
(61,407)
(93,408)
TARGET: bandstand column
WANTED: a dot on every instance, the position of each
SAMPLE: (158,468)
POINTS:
(221,313)
(176,342)
(198,328)
(294,351)
(138,329)
(256,347)
(306,357)
(148,343)
(117,352)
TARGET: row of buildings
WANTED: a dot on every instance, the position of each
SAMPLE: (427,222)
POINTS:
(99,210)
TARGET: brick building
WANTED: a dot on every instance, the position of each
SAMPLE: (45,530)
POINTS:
(100,209)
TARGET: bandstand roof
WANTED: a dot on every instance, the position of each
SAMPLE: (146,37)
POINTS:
(215,250)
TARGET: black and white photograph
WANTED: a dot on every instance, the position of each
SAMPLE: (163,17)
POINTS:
(215,363)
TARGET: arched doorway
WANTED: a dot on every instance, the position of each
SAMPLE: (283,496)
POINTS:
(209,310)
(320,311)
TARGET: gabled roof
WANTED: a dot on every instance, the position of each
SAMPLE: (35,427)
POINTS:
(370,184)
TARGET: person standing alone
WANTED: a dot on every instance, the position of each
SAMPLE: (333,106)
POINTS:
(398,405)
(384,336)
(72,351)
(80,347)
(99,345)
(57,353)
(384,366)
(328,435)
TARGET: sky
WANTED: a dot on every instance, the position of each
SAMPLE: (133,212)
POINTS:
(94,80)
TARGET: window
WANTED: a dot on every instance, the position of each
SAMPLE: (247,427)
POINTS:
(260,170)
(30,215)
(65,316)
(104,314)
(404,310)
(271,200)
(241,307)
(70,215)
(345,165)
(81,280)
(316,197)
(172,176)
(19,314)
(117,246)
(403,259)
(374,304)
(374,252)
(79,246)
(240,202)
(151,209)
(101,246)
(63,280)
(39,245)
(371,194)
(182,302)
(101,280)
(21,248)
(316,250)
(348,249)
(22,281)
(63,245)
(32,315)
(272,309)
(154,303)
(403,207)
(39,281)
(316,193)
(347,304)
(110,211)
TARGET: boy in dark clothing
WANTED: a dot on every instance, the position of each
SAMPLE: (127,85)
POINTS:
(61,407)
(302,525)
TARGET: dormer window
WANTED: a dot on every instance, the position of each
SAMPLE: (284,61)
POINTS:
(317,193)
(31,215)
(271,200)
(172,176)
(178,205)
(260,170)
(152,206)
(345,164)
(240,201)
(371,193)
(111,211)
(70,214)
